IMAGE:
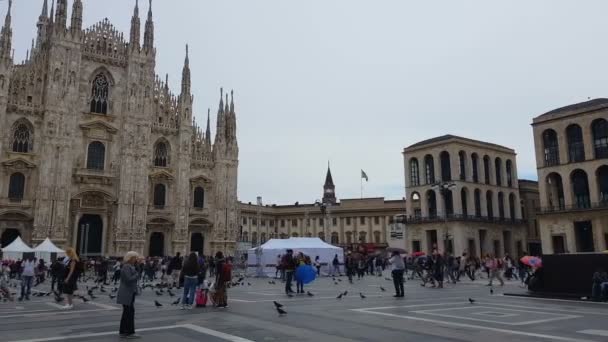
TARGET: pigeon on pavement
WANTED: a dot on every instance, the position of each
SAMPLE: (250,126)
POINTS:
(157,304)
(277,304)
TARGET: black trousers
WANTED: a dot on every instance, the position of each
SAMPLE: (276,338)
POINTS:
(289,276)
(398,282)
(127,321)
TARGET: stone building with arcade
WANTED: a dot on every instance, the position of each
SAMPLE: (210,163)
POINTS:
(98,153)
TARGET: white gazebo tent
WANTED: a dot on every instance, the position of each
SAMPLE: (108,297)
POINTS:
(15,250)
(46,249)
(264,257)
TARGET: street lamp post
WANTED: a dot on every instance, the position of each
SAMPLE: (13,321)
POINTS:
(445,187)
(325,213)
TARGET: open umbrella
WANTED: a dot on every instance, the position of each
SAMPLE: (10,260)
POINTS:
(532,261)
(417,254)
(306,274)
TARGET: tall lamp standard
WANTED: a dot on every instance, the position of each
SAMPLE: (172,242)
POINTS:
(325,213)
(445,188)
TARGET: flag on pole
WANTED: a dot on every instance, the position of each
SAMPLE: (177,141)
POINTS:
(364,176)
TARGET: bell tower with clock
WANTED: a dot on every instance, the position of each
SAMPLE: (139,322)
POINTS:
(329,189)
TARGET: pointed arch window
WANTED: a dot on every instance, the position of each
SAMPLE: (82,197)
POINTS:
(199,197)
(509,166)
(498,170)
(100,94)
(161,154)
(462,156)
(446,166)
(96,156)
(551,147)
(335,239)
(16,187)
(22,138)
(474,163)
(160,196)
(486,169)
(580,189)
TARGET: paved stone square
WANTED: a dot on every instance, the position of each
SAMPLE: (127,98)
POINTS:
(425,314)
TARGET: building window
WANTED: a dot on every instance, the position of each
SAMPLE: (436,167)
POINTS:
(498,167)
(334,221)
(254,238)
(432,203)
(349,237)
(272,223)
(477,203)
(462,157)
(161,154)
(263,222)
(376,219)
(474,163)
(362,237)
(580,189)
(294,223)
(551,147)
(446,167)
(282,223)
(321,236)
(159,195)
(602,181)
(501,206)
(245,236)
(377,237)
(429,169)
(244,220)
(100,94)
(262,238)
(486,169)
(16,187)
(490,204)
(96,156)
(321,222)
(555,191)
(254,221)
(22,138)
(335,240)
(307,222)
(414,172)
(362,220)
(464,200)
(199,197)
(576,146)
(512,206)
(348,221)
(509,173)
(600,138)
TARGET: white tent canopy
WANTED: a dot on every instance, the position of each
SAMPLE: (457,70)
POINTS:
(15,250)
(46,249)
(266,254)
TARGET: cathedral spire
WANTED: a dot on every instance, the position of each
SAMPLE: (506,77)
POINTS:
(6,35)
(149,33)
(221,121)
(76,24)
(52,15)
(45,9)
(208,131)
(135,27)
(186,82)
(61,17)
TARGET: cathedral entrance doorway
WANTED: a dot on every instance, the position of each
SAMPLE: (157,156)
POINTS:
(90,236)
(157,245)
(8,236)
(197,243)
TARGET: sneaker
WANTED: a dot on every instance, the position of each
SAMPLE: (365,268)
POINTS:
(67,307)
(183,307)
(132,336)
(190,307)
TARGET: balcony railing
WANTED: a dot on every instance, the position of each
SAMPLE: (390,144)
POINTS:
(576,207)
(467,218)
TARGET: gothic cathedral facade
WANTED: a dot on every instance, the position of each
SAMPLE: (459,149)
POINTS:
(97,153)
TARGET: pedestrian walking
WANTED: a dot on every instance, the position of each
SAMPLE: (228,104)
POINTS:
(70,263)
(28,271)
(126,295)
(223,276)
(318,266)
(289,264)
(189,274)
(335,266)
(398,270)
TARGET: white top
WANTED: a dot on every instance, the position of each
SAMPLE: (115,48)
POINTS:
(397,262)
(29,267)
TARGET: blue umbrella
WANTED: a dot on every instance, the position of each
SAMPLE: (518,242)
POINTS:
(306,274)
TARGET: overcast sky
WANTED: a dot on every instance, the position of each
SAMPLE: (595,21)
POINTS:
(356,81)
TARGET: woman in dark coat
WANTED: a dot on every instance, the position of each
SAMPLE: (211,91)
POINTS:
(126,295)
(221,297)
